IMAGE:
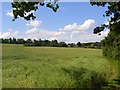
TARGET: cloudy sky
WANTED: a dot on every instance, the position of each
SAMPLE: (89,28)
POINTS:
(73,22)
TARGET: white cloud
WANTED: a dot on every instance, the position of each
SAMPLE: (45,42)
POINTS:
(76,36)
(34,23)
(15,33)
(104,33)
(9,34)
(69,37)
(27,13)
(32,31)
(70,33)
(10,13)
(77,27)
(106,22)
(5,35)
(42,34)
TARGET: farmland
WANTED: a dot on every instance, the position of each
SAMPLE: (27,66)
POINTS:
(51,67)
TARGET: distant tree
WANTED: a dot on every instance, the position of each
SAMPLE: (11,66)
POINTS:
(5,41)
(62,44)
(29,42)
(40,42)
(54,43)
(35,42)
(10,41)
(47,43)
(14,41)
(71,45)
(79,44)
(21,41)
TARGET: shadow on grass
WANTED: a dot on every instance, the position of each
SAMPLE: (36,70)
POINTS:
(14,57)
(84,78)
(114,84)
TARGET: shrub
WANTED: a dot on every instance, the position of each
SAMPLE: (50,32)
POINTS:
(111,46)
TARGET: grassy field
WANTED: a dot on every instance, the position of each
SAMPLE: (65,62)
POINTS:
(50,67)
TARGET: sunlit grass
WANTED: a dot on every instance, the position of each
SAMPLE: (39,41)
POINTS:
(50,67)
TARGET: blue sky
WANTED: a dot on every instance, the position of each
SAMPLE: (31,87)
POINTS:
(73,22)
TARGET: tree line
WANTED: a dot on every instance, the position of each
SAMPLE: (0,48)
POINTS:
(53,43)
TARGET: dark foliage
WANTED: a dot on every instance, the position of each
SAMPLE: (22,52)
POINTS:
(111,44)
(53,43)
(23,8)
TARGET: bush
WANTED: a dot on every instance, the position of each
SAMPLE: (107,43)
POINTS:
(111,46)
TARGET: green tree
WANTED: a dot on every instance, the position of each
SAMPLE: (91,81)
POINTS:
(24,8)
(79,44)
(47,43)
(14,41)
(21,41)
(40,42)
(10,40)
(71,45)
(111,44)
(62,44)
(54,43)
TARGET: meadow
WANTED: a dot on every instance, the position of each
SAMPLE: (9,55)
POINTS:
(51,67)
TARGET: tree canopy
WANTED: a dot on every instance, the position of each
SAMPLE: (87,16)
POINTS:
(111,43)
(24,8)
(113,12)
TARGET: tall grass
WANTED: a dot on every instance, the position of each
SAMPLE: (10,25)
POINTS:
(48,67)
